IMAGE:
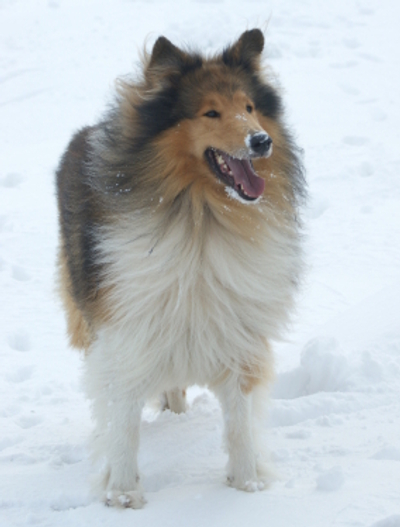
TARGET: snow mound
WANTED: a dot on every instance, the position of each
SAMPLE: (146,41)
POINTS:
(390,453)
(390,521)
(330,480)
(322,369)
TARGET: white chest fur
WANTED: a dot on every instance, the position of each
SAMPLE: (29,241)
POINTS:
(187,306)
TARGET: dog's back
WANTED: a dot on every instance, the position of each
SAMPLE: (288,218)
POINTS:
(77,281)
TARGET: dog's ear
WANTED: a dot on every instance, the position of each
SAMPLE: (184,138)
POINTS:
(165,55)
(167,62)
(246,51)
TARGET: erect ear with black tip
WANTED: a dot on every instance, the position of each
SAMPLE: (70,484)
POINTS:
(246,51)
(167,62)
(165,55)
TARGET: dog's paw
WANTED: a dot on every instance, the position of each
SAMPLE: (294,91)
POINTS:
(248,485)
(251,480)
(133,499)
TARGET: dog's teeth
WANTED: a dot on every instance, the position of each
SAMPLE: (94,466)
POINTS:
(241,189)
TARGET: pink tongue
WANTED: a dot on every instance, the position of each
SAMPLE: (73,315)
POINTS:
(244,175)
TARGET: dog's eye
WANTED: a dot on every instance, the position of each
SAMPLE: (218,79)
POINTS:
(213,114)
(249,108)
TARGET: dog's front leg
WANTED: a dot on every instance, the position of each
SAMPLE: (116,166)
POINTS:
(246,470)
(122,482)
(117,415)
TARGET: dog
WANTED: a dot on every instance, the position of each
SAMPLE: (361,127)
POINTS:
(180,249)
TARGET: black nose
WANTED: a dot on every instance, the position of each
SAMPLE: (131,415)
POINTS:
(260,143)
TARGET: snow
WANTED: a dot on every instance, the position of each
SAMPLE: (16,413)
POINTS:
(333,427)
(330,480)
(231,192)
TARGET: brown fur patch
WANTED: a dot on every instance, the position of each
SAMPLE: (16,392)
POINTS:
(258,373)
(77,327)
(251,374)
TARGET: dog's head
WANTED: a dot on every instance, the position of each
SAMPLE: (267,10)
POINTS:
(213,119)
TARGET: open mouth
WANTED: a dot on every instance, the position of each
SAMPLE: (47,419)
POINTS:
(236,173)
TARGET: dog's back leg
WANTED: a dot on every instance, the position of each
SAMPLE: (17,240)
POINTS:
(175,400)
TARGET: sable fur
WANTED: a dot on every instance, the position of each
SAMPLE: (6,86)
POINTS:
(166,280)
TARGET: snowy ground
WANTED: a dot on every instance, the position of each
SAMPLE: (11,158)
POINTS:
(334,426)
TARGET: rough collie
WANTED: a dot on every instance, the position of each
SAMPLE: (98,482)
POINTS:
(180,249)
